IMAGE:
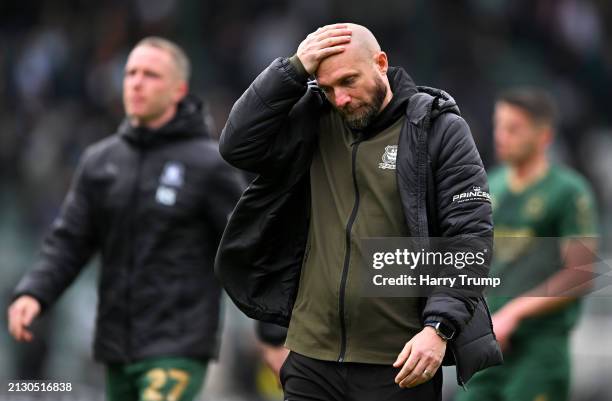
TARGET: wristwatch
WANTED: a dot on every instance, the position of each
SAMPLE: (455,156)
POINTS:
(445,331)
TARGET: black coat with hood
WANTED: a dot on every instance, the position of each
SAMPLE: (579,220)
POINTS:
(154,204)
(272,131)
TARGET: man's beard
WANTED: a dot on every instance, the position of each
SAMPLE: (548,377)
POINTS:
(359,120)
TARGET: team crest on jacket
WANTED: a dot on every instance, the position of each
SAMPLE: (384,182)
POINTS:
(388,158)
(173,174)
(172,177)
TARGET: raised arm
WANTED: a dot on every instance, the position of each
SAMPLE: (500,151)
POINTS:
(256,133)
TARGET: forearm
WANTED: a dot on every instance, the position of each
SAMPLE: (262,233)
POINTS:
(560,290)
(526,306)
(564,287)
(66,249)
(52,275)
(261,114)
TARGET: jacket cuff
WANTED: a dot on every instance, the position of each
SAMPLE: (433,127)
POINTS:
(301,73)
(270,333)
(44,305)
(443,320)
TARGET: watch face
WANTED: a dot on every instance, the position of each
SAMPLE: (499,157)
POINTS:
(445,330)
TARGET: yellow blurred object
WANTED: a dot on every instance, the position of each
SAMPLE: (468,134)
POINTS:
(267,383)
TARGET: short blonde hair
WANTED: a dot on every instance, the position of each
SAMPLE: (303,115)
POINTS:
(176,52)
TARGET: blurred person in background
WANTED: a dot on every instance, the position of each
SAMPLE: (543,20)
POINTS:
(542,278)
(327,152)
(153,199)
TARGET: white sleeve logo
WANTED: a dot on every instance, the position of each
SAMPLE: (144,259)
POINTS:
(476,194)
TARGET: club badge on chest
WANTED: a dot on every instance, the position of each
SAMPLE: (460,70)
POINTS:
(170,180)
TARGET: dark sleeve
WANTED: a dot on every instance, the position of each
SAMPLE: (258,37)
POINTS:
(224,185)
(67,247)
(260,119)
(270,333)
(459,170)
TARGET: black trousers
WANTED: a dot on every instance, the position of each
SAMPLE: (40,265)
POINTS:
(309,379)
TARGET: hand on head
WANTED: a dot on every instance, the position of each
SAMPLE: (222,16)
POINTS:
(322,43)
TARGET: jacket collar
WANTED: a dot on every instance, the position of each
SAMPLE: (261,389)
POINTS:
(188,122)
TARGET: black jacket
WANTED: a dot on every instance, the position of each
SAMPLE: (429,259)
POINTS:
(155,205)
(272,131)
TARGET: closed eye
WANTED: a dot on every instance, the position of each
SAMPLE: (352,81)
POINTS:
(151,74)
(348,81)
(344,82)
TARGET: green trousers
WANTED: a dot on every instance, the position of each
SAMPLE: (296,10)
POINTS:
(155,379)
(536,368)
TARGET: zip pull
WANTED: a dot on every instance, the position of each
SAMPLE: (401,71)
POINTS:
(357,141)
(359,137)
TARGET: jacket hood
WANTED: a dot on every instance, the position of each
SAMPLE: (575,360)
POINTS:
(428,104)
(403,89)
(191,120)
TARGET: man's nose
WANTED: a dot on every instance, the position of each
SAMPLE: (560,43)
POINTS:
(341,97)
(136,80)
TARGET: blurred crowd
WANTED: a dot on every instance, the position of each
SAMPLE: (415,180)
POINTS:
(61,68)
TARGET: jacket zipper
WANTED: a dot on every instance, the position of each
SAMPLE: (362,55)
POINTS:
(134,206)
(347,255)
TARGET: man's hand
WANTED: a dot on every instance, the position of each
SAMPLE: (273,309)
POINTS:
(274,357)
(505,323)
(322,43)
(21,313)
(421,358)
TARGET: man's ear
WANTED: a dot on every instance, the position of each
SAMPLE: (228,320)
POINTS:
(181,91)
(547,136)
(381,62)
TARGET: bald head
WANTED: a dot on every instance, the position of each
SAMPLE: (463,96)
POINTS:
(362,41)
(361,51)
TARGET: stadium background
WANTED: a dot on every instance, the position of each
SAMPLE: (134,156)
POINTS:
(61,66)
